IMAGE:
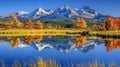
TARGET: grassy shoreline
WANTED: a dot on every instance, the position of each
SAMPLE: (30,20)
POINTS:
(69,32)
(39,32)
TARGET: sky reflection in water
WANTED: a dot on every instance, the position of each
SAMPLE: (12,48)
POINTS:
(63,50)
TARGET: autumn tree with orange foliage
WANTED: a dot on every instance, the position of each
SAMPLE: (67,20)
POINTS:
(28,24)
(111,23)
(81,23)
(38,25)
(112,44)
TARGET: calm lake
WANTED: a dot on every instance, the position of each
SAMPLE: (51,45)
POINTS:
(64,50)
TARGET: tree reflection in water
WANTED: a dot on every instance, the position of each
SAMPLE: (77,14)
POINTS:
(80,41)
(38,38)
(64,44)
(112,44)
(14,41)
(28,39)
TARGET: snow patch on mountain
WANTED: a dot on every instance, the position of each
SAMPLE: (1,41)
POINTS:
(22,12)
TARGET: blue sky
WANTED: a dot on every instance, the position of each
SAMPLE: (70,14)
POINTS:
(108,7)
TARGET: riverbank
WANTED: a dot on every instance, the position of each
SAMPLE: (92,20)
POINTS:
(52,32)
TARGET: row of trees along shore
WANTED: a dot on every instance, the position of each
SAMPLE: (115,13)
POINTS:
(109,24)
(14,23)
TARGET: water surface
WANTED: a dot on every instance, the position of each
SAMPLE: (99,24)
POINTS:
(63,50)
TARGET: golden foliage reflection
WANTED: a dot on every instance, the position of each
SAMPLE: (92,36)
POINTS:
(15,41)
(80,40)
(28,39)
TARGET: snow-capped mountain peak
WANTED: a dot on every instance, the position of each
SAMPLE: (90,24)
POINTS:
(86,7)
(63,13)
(66,11)
(39,12)
(65,7)
(76,9)
(87,12)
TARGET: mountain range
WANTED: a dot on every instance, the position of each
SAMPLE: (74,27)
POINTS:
(63,13)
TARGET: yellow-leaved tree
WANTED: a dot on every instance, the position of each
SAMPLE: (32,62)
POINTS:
(14,22)
(81,23)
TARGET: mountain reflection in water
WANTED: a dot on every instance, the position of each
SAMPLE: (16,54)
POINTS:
(63,44)
(81,48)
